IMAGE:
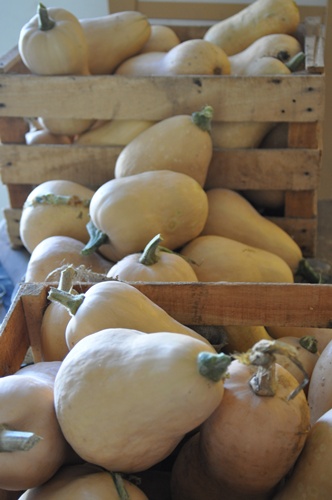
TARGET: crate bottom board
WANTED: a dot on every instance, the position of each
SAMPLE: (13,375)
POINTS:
(302,230)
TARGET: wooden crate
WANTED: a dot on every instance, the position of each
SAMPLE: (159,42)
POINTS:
(196,304)
(297,101)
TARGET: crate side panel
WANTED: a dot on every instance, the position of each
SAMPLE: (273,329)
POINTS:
(234,168)
(284,98)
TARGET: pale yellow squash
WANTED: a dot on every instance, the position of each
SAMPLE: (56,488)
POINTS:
(113,133)
(232,216)
(162,39)
(259,18)
(171,383)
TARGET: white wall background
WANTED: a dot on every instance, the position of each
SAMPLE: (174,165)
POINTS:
(14,14)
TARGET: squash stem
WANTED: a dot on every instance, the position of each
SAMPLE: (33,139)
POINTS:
(149,255)
(306,271)
(45,23)
(119,485)
(97,238)
(66,279)
(295,62)
(213,366)
(69,300)
(12,440)
(262,355)
(310,343)
(203,118)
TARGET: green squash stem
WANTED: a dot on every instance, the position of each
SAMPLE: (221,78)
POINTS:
(310,343)
(97,238)
(119,485)
(213,366)
(295,62)
(306,271)
(203,118)
(13,440)
(150,255)
(69,300)
(45,23)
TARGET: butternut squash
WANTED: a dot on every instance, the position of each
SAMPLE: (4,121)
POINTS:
(55,251)
(113,38)
(252,439)
(320,386)
(232,216)
(155,263)
(26,405)
(173,382)
(322,335)
(162,39)
(191,57)
(113,133)
(218,258)
(311,477)
(259,18)
(38,135)
(115,304)
(82,481)
(67,126)
(181,143)
(53,43)
(280,46)
(55,208)
(129,211)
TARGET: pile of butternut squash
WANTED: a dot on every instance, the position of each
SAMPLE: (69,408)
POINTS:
(128,393)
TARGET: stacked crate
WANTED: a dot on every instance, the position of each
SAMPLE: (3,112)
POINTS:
(296,101)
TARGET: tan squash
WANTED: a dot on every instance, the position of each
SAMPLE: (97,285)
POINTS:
(155,263)
(113,133)
(56,251)
(38,135)
(76,482)
(311,477)
(115,304)
(307,353)
(261,17)
(129,211)
(191,57)
(217,258)
(320,386)
(67,126)
(162,39)
(181,143)
(322,335)
(251,440)
(55,208)
(53,43)
(26,405)
(232,216)
(181,375)
(279,46)
(114,38)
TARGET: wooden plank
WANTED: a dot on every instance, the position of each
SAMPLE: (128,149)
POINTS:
(301,204)
(227,303)
(12,217)
(236,169)
(12,130)
(197,10)
(14,339)
(298,98)
(305,135)
(314,45)
(265,169)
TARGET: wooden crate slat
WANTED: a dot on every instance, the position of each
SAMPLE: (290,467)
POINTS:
(280,98)
(301,203)
(239,169)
